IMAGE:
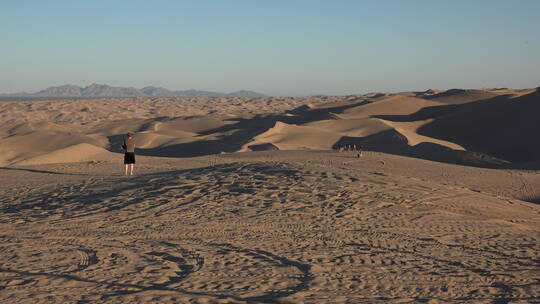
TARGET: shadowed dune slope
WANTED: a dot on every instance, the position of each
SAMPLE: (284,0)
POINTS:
(503,127)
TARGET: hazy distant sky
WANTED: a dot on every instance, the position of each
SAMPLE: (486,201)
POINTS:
(274,47)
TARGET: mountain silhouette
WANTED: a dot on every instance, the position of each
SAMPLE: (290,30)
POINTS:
(104,90)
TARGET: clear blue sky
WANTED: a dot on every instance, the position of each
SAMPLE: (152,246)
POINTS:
(289,47)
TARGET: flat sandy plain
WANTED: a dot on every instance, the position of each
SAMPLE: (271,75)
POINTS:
(239,200)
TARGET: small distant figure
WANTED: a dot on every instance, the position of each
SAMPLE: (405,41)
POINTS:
(358,151)
(129,153)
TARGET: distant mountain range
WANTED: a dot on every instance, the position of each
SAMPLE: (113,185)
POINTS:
(103,90)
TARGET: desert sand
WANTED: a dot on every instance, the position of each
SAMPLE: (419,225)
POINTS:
(246,200)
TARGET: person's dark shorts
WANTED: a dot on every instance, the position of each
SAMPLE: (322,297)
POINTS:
(129,158)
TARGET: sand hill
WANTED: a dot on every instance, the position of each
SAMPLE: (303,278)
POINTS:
(247,200)
(440,126)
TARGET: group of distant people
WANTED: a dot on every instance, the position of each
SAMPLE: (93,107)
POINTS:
(351,148)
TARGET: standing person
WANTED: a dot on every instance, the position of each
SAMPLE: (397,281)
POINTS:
(359,154)
(129,155)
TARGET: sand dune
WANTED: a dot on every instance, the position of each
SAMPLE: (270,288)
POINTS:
(193,125)
(410,131)
(459,96)
(175,127)
(29,127)
(150,140)
(351,127)
(35,128)
(432,212)
(393,105)
(292,137)
(504,127)
(35,143)
(72,154)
